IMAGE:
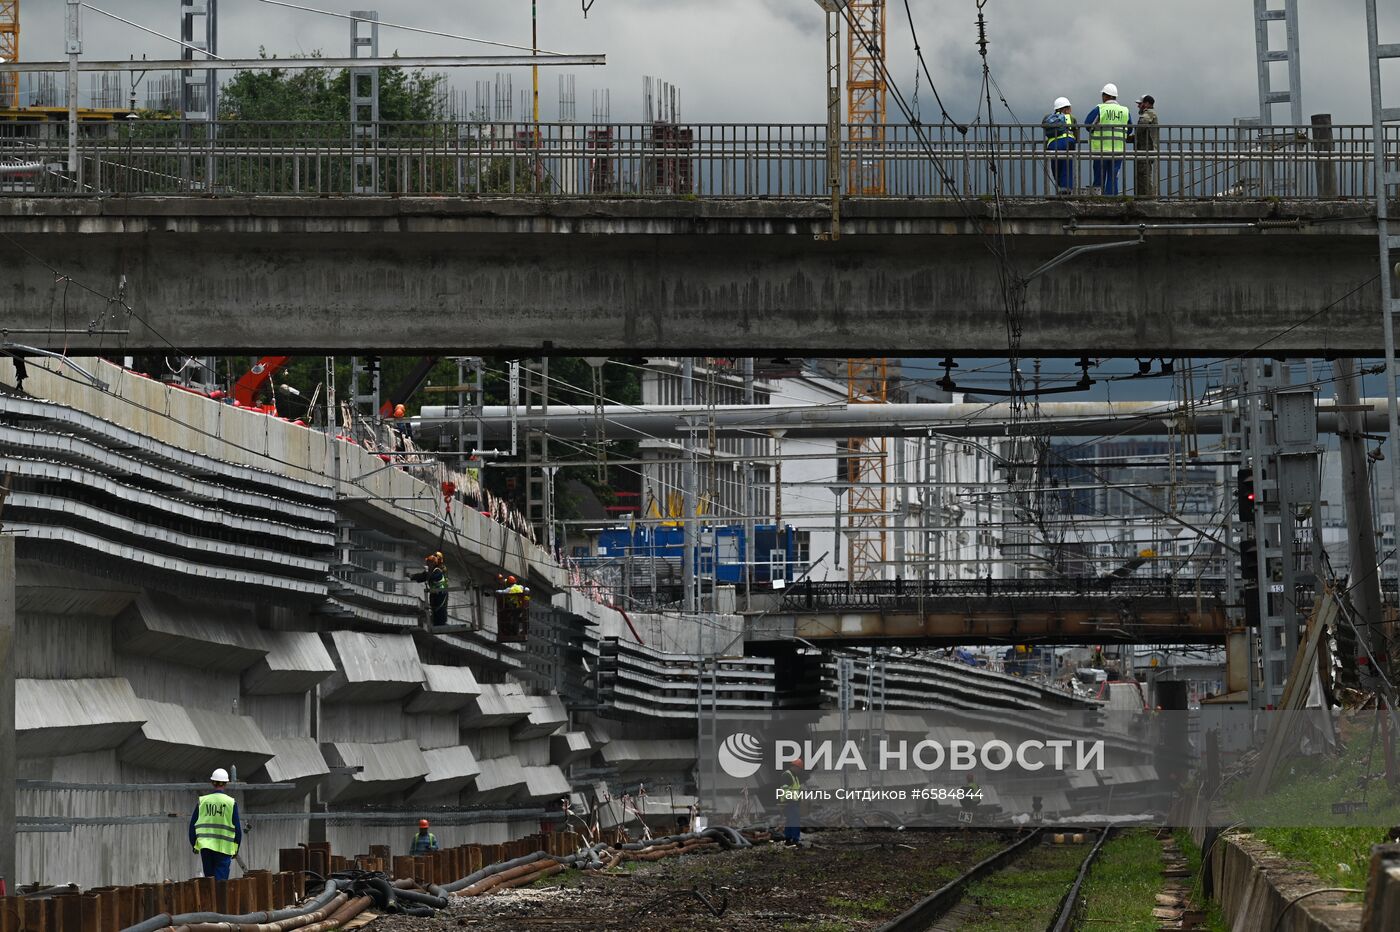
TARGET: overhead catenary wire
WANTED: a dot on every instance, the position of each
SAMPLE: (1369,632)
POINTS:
(154,32)
(429,32)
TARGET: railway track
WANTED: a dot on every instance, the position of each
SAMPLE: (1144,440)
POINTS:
(947,909)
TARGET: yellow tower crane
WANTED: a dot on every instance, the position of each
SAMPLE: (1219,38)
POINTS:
(866,95)
(866,379)
(9,51)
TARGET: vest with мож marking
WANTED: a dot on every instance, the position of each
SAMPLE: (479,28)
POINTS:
(213,827)
(1110,133)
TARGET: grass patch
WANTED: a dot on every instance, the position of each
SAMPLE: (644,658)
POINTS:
(1340,857)
(1123,884)
(825,926)
(860,909)
(1337,848)
(1024,897)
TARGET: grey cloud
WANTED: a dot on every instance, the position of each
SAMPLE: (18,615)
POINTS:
(753,60)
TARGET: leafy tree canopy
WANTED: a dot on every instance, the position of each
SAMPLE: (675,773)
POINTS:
(319,94)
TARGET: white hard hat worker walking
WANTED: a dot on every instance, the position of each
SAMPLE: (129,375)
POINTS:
(216,830)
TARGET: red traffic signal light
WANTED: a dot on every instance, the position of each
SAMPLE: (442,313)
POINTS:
(1244,494)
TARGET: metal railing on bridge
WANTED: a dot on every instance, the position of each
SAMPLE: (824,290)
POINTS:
(886,594)
(706,160)
(909,594)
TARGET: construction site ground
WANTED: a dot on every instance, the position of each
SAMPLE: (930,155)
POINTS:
(838,881)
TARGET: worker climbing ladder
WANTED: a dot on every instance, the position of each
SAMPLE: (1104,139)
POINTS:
(1387,185)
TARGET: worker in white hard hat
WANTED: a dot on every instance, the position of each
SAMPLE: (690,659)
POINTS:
(1060,135)
(216,830)
(1108,125)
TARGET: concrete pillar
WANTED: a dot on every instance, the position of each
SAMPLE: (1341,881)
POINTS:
(7,709)
(1382,910)
(1322,143)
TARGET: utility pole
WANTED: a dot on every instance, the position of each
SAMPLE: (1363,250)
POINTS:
(74,48)
(750,493)
(833,10)
(689,603)
(535,69)
(1356,490)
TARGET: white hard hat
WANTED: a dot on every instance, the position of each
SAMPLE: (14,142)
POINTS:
(1061,102)
(219,776)
(1110,90)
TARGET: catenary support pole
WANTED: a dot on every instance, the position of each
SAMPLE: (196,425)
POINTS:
(7,709)
(688,497)
(1356,491)
(73,46)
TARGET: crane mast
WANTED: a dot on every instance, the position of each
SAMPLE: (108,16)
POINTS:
(866,379)
(9,51)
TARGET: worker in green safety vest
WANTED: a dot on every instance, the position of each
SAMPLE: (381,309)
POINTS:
(216,830)
(1108,125)
(434,576)
(971,797)
(1061,136)
(792,809)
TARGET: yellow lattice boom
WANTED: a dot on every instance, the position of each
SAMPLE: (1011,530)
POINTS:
(9,51)
(866,383)
(866,95)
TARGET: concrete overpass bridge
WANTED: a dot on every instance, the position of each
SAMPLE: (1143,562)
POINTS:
(704,239)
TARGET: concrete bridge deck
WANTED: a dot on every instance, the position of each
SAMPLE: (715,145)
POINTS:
(633,275)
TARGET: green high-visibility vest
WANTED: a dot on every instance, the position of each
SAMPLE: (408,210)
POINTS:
(439,584)
(794,785)
(1110,133)
(1066,129)
(213,828)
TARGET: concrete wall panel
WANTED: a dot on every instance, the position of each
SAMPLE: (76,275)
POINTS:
(69,646)
(364,721)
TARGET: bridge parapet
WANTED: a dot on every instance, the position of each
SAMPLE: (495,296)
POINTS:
(673,160)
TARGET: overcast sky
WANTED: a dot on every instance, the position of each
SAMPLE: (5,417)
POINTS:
(751,60)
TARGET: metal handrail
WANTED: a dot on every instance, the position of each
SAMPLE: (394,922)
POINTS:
(771,160)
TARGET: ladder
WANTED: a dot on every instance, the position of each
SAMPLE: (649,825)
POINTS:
(364,102)
(1387,178)
(1266,55)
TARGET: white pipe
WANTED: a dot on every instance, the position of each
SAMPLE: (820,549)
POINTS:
(1065,418)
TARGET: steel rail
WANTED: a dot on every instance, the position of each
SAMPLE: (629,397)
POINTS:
(1069,906)
(923,914)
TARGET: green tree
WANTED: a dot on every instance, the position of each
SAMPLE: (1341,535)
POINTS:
(323,95)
